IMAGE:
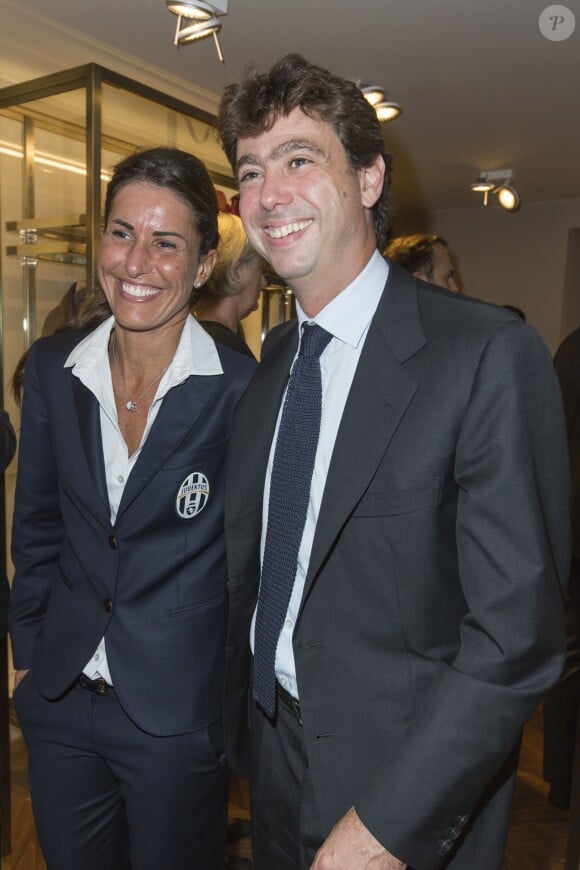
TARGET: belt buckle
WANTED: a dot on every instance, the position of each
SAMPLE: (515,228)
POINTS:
(101,688)
(97,687)
(290,702)
(295,707)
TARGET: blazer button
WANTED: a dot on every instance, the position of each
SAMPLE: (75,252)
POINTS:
(112,542)
(108,605)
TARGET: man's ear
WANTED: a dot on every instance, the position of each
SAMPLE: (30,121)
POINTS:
(372,178)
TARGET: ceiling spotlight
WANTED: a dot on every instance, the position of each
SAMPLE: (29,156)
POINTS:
(385,110)
(198,10)
(197,19)
(373,94)
(498,181)
(482,185)
(508,197)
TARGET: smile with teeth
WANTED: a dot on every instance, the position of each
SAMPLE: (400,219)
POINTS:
(287,229)
(138,291)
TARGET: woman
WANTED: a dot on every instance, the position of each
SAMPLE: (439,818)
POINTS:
(119,608)
(233,288)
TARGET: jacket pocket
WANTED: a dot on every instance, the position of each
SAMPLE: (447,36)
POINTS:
(176,612)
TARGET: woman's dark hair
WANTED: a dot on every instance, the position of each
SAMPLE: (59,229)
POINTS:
(183,174)
(253,106)
(415,253)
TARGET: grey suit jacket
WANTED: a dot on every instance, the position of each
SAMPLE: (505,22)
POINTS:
(431,621)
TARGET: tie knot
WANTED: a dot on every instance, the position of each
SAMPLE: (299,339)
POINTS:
(314,340)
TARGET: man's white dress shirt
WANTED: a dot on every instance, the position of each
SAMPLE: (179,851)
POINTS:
(347,317)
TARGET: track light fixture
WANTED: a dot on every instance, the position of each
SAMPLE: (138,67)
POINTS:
(385,109)
(499,182)
(197,19)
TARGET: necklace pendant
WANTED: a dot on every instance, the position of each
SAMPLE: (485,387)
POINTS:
(131,406)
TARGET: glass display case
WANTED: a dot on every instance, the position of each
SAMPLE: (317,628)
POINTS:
(59,137)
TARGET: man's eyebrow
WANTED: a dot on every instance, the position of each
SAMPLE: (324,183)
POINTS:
(295,145)
(280,151)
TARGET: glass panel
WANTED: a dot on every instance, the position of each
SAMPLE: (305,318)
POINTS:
(130,121)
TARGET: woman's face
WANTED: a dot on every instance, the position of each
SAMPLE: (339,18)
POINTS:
(149,257)
(250,274)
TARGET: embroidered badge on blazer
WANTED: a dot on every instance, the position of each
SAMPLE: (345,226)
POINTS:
(192,495)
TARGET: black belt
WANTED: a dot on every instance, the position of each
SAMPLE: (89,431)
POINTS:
(98,686)
(290,702)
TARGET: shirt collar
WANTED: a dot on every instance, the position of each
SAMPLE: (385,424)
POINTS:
(348,315)
(196,353)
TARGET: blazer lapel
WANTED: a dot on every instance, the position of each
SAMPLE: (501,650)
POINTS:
(179,413)
(381,392)
(89,422)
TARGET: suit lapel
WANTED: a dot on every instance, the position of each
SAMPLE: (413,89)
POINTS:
(380,394)
(89,421)
(252,434)
(179,413)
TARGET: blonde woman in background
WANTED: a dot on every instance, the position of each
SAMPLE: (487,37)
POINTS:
(233,289)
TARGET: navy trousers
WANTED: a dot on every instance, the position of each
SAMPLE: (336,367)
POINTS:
(108,796)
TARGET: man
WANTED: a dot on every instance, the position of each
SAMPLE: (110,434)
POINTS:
(424,616)
(426,257)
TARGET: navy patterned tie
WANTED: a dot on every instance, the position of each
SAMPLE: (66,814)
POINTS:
(289,494)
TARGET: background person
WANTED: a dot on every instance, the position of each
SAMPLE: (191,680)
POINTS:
(425,256)
(233,289)
(560,711)
(402,601)
(118,606)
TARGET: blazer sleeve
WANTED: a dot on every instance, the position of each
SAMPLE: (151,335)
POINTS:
(37,529)
(7,440)
(512,538)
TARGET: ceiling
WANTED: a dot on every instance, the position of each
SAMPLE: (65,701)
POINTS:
(480,86)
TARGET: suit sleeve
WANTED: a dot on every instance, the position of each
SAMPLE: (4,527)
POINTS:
(7,441)
(512,538)
(37,530)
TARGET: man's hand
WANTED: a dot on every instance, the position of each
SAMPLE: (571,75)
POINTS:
(351,845)
(18,677)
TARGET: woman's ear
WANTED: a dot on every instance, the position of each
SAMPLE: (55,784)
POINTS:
(237,270)
(205,267)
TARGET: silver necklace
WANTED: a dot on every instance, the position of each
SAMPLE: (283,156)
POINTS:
(131,404)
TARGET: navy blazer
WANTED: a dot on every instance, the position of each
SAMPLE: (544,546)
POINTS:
(154,583)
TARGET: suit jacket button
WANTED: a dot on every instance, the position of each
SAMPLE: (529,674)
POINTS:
(108,605)
(112,542)
(445,846)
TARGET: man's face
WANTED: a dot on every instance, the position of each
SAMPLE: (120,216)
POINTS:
(443,273)
(304,208)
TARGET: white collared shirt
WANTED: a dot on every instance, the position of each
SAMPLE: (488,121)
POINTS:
(347,317)
(196,354)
